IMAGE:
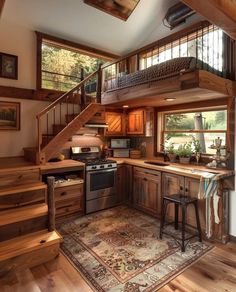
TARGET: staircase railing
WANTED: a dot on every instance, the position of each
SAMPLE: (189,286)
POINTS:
(63,110)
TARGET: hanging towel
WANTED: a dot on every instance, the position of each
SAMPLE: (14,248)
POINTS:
(208,189)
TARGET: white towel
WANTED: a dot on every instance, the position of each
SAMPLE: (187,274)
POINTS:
(208,188)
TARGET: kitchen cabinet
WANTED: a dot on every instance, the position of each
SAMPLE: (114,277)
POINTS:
(175,184)
(116,123)
(147,191)
(124,183)
(135,122)
(69,199)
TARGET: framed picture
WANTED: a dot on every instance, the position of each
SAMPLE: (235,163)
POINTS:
(9,115)
(8,66)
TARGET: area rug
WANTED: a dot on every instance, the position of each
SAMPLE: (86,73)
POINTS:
(119,250)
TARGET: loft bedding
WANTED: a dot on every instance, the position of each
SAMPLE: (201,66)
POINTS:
(160,71)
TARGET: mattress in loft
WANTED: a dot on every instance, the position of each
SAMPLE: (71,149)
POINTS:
(156,72)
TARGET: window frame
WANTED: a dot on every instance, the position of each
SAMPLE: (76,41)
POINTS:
(160,125)
(64,44)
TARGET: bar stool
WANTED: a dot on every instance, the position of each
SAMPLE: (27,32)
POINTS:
(180,201)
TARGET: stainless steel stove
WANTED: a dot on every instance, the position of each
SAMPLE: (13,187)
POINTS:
(101,190)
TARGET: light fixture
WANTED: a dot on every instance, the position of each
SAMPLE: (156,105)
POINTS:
(125,106)
(170,98)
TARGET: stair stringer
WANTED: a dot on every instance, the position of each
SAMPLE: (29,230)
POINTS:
(73,127)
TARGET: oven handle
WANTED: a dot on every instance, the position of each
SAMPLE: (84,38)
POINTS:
(102,170)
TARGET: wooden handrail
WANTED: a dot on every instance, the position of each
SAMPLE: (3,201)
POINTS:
(52,105)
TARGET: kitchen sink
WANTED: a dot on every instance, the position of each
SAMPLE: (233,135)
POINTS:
(157,163)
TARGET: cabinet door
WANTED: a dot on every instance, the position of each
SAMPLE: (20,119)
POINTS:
(147,191)
(135,122)
(191,190)
(121,182)
(129,183)
(171,184)
(116,124)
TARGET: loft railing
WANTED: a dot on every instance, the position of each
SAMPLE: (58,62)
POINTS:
(211,48)
(63,110)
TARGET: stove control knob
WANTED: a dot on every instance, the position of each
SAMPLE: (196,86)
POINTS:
(109,165)
(101,166)
(94,167)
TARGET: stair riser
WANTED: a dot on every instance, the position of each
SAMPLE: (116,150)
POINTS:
(28,260)
(23,227)
(19,177)
(22,199)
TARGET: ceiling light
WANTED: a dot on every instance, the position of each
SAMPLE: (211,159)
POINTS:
(125,106)
(170,98)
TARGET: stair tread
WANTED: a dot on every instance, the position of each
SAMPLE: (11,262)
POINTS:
(27,243)
(23,213)
(22,188)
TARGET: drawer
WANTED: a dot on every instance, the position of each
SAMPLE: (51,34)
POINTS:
(66,207)
(145,171)
(69,192)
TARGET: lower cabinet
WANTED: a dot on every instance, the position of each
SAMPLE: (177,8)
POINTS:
(69,200)
(147,191)
(174,184)
(124,183)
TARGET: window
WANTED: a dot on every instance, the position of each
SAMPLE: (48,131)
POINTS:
(203,125)
(205,44)
(63,64)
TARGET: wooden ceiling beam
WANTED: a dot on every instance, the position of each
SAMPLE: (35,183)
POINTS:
(222,13)
(2,2)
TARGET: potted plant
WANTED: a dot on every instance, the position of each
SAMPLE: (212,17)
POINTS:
(185,152)
(197,148)
(171,152)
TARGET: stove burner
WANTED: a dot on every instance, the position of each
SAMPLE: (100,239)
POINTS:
(96,161)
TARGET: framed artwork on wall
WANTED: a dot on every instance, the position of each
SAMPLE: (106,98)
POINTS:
(8,66)
(9,115)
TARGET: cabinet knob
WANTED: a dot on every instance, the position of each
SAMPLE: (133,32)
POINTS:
(63,193)
(186,190)
(181,188)
(145,178)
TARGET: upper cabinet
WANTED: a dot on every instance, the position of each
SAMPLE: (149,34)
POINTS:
(116,123)
(135,122)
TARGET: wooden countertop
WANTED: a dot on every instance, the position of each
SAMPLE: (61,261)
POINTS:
(189,170)
(18,163)
(67,164)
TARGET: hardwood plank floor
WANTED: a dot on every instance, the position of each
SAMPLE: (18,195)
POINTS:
(215,272)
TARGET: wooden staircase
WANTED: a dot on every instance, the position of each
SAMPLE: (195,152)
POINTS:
(25,239)
(64,118)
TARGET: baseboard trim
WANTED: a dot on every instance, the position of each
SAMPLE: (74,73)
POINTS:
(232,238)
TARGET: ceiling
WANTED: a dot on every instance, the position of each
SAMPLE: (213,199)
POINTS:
(74,20)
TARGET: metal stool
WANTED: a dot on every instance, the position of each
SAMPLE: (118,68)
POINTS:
(183,202)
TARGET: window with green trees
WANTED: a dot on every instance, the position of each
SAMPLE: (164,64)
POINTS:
(61,67)
(204,126)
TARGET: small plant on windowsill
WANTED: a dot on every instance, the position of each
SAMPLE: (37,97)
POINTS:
(185,152)
(171,152)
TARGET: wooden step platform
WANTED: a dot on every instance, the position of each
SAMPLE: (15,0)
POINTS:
(28,251)
(10,190)
(23,214)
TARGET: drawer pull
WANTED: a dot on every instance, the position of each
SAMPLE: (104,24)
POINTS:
(63,194)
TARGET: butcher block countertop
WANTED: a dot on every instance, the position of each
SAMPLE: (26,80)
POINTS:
(67,164)
(189,170)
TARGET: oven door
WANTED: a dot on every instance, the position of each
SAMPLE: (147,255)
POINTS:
(100,183)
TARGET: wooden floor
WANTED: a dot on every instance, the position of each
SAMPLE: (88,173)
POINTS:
(215,272)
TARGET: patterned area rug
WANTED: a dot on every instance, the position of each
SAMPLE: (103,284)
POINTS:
(119,250)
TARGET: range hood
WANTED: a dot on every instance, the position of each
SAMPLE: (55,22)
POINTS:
(96,125)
